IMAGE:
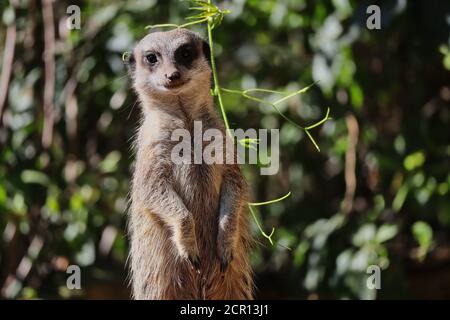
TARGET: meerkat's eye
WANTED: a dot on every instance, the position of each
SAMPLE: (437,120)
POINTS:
(151,58)
(186,53)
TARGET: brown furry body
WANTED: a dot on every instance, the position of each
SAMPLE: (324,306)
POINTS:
(188,226)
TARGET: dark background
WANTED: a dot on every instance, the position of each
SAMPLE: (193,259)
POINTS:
(377,193)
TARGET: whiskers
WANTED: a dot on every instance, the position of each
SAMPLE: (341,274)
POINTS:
(132,108)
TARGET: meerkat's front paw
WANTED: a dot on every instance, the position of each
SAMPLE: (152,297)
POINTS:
(190,253)
(225,262)
(193,258)
(195,262)
(225,255)
(186,244)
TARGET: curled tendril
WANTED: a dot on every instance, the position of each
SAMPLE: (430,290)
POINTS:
(126,56)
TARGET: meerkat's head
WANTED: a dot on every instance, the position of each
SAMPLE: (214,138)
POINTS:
(170,63)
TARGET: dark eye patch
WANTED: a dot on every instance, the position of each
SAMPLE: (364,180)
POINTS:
(186,54)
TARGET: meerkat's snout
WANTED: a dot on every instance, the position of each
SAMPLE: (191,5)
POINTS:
(174,76)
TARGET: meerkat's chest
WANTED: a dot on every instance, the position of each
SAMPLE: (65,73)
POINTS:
(198,168)
(198,183)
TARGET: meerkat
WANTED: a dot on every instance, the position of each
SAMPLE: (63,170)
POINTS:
(188,225)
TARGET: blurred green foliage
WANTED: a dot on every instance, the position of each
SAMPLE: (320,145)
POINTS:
(389,93)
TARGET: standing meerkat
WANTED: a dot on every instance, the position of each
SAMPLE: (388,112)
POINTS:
(188,224)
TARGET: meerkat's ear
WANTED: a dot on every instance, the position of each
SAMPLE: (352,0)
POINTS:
(206,51)
(130,62)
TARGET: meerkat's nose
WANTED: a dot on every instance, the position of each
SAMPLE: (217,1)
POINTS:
(174,76)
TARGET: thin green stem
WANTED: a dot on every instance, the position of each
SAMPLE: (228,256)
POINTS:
(294,93)
(321,121)
(163,25)
(172,25)
(270,201)
(193,22)
(312,139)
(231,90)
(214,72)
(265,91)
(269,237)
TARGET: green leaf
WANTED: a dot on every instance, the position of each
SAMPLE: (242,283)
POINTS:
(447,61)
(9,16)
(109,164)
(364,235)
(414,160)
(32,176)
(386,232)
(300,253)
(3,195)
(400,197)
(357,96)
(445,50)
(423,234)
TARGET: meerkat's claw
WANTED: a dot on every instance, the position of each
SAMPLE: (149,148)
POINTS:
(195,263)
(223,266)
(224,263)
